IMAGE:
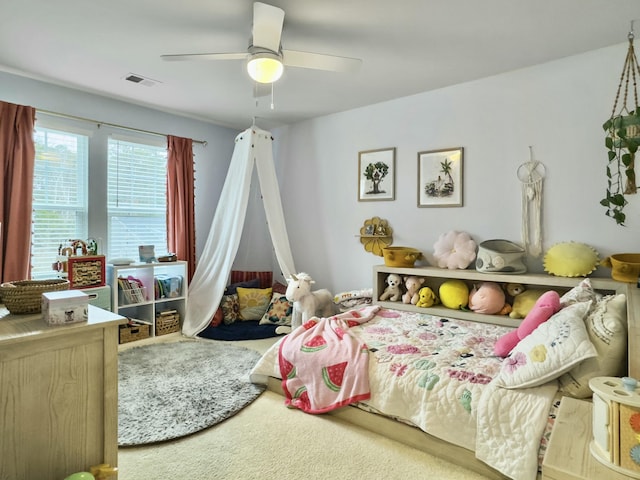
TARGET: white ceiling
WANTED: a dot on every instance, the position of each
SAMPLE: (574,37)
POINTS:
(407,47)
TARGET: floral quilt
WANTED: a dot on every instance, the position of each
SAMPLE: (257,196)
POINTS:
(430,371)
(436,373)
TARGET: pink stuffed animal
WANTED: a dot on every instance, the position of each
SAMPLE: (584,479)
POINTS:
(544,308)
(413,285)
(488,298)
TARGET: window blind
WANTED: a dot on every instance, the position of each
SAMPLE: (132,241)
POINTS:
(59,195)
(137,200)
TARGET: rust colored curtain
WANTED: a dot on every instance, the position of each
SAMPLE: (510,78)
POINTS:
(181,231)
(17,154)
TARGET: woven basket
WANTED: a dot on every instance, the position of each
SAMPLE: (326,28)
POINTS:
(134,331)
(167,322)
(25,296)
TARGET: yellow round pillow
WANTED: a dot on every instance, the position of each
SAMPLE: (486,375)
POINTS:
(570,259)
(454,294)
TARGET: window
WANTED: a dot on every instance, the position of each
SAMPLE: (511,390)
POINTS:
(137,199)
(59,195)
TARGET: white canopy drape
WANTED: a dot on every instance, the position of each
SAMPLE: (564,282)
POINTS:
(253,146)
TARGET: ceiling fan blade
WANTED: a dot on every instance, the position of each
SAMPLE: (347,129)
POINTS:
(267,26)
(320,61)
(204,56)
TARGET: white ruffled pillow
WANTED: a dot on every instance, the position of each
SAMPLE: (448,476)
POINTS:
(607,329)
(549,351)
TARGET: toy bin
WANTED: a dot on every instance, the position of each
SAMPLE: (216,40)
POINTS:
(134,330)
(616,424)
(65,307)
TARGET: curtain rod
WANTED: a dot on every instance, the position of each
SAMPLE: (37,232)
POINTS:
(113,125)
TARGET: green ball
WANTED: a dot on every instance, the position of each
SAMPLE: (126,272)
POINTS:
(80,476)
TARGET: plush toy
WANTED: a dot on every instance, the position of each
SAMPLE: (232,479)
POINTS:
(427,298)
(454,294)
(393,291)
(307,303)
(544,308)
(454,250)
(523,299)
(487,298)
(412,284)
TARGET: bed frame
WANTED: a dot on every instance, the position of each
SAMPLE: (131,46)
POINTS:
(416,438)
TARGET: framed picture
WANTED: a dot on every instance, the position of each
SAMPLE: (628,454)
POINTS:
(440,178)
(377,175)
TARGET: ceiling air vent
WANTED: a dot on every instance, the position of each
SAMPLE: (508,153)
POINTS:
(147,82)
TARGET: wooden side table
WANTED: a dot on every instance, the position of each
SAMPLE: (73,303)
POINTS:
(568,456)
(58,395)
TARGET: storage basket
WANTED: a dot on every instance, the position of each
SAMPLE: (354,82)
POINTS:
(86,271)
(400,256)
(132,331)
(167,322)
(25,296)
(500,256)
(625,267)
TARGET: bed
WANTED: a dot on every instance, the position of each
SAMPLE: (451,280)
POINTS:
(434,382)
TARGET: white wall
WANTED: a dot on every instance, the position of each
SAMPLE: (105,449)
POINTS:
(211,162)
(558,108)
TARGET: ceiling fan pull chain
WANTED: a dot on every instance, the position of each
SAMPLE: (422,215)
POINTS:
(272,100)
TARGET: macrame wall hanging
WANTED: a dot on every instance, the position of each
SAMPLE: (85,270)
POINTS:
(623,139)
(531,175)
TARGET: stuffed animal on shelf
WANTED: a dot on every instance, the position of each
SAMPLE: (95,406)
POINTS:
(412,284)
(454,294)
(393,290)
(428,298)
(523,299)
(488,298)
(307,303)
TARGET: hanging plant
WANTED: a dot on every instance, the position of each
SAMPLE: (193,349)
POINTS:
(622,141)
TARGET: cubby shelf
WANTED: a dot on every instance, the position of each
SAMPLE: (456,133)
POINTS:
(434,277)
(148,306)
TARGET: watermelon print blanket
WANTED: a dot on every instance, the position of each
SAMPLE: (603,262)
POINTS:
(323,366)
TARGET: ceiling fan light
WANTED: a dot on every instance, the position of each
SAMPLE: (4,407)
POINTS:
(265,68)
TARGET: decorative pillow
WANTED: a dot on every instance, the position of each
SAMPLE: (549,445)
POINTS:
(570,259)
(278,312)
(547,305)
(233,288)
(253,302)
(549,351)
(217,318)
(279,288)
(265,278)
(583,292)
(607,329)
(230,308)
(454,250)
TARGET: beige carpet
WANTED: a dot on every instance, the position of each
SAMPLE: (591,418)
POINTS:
(268,441)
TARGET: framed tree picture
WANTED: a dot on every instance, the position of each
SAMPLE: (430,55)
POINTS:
(440,178)
(376,175)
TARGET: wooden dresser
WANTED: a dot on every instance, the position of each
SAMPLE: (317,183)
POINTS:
(58,395)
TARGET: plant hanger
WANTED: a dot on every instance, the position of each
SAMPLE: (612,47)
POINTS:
(622,140)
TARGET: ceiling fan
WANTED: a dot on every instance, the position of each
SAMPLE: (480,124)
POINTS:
(265,56)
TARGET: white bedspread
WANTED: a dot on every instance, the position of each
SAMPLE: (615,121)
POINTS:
(436,374)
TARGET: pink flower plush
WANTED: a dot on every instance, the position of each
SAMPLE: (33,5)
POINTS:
(545,307)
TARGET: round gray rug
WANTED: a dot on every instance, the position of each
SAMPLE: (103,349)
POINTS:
(169,390)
